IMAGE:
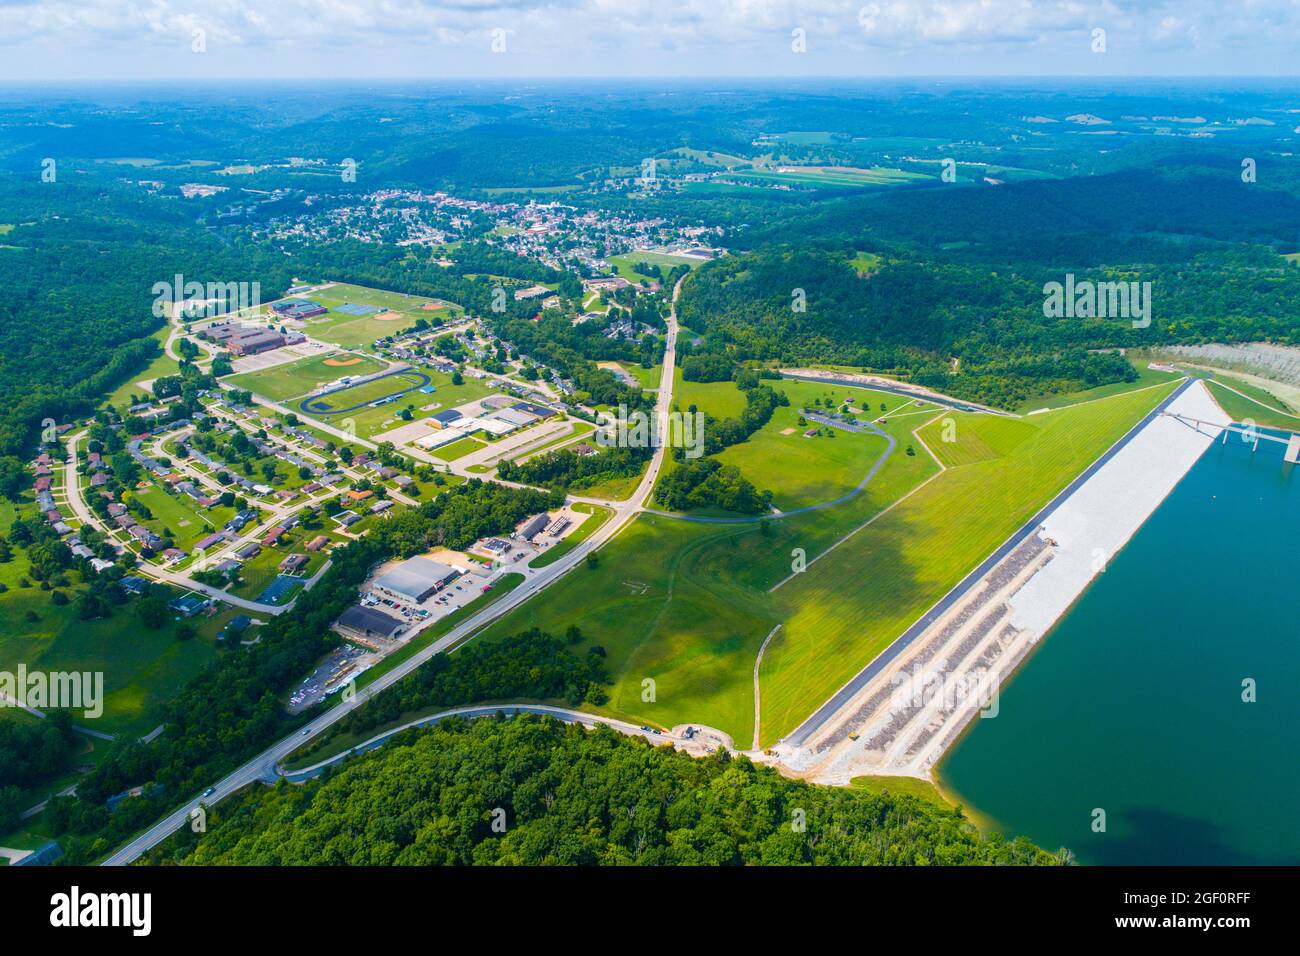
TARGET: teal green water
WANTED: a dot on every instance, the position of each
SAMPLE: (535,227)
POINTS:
(1133,703)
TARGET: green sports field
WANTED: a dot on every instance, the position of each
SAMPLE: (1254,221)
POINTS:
(347,399)
(360,331)
(369,420)
(283,382)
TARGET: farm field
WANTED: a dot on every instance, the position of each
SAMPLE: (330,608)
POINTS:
(846,608)
(282,382)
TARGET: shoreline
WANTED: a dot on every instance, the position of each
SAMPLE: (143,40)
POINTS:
(917,706)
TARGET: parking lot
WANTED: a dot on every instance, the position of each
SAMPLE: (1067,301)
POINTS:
(335,672)
(453,596)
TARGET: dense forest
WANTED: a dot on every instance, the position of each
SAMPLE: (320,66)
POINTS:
(530,666)
(531,790)
(962,328)
(79,270)
(568,471)
(31,752)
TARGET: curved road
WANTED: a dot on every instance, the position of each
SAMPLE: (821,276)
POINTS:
(263,766)
(314,412)
(485,710)
(773,516)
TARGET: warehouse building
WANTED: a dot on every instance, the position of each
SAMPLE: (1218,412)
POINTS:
(415,579)
(445,419)
(366,622)
(534,525)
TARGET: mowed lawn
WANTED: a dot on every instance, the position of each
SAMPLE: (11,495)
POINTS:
(1246,402)
(180,514)
(686,604)
(457,449)
(659,619)
(125,394)
(802,471)
(849,605)
(142,668)
(719,399)
(283,382)
(625,264)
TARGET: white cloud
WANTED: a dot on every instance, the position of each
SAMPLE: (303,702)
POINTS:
(565,37)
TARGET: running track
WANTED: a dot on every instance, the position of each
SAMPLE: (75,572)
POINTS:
(305,405)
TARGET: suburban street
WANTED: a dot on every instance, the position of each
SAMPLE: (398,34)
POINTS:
(263,766)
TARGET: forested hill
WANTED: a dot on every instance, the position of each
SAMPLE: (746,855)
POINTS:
(954,297)
(1168,214)
(79,268)
(567,795)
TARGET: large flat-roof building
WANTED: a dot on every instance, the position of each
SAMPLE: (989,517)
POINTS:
(261,340)
(298,308)
(445,419)
(416,578)
(368,622)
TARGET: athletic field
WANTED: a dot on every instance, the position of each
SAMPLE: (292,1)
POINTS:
(370,314)
(283,382)
(356,397)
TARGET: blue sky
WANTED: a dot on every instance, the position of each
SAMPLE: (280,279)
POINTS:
(282,39)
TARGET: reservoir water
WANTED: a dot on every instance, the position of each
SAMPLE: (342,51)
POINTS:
(1133,703)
